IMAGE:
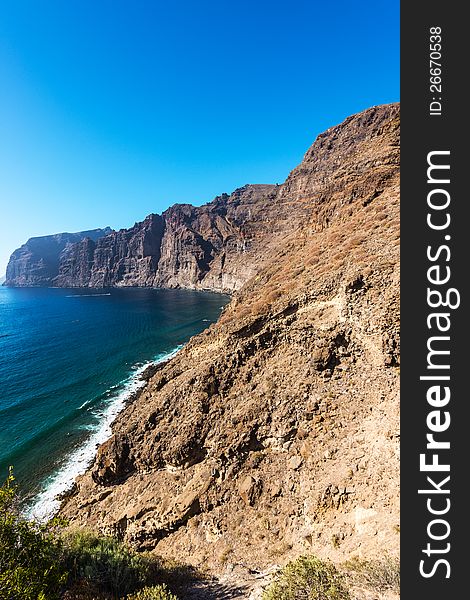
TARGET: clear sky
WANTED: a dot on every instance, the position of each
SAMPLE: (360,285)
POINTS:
(113,109)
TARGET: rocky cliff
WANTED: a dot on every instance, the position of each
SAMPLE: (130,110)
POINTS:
(191,247)
(275,432)
(216,246)
(36,263)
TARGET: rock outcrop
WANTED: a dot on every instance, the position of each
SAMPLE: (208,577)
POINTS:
(36,263)
(274,432)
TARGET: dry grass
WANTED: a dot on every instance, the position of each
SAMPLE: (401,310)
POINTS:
(378,575)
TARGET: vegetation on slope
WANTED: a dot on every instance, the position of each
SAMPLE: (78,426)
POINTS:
(30,556)
(43,562)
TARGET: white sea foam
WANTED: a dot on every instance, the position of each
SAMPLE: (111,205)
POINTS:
(86,403)
(46,503)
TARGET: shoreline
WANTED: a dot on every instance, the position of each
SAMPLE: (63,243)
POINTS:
(219,291)
(60,485)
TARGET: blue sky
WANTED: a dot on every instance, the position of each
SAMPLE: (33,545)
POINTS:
(113,109)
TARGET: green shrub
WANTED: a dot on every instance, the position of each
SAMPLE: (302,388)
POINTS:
(105,562)
(42,562)
(30,554)
(307,578)
(155,592)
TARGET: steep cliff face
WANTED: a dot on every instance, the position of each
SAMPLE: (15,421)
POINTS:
(217,246)
(125,257)
(275,432)
(36,262)
(214,246)
(189,247)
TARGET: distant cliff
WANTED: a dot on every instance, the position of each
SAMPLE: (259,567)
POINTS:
(217,246)
(189,247)
(36,263)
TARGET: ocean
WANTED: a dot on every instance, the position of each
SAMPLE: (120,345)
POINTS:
(69,360)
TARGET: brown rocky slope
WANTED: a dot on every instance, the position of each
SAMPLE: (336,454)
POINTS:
(275,432)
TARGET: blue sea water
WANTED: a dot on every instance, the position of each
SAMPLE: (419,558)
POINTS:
(69,359)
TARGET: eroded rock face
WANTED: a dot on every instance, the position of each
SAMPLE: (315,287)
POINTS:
(37,262)
(275,431)
(186,247)
(125,257)
(217,246)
